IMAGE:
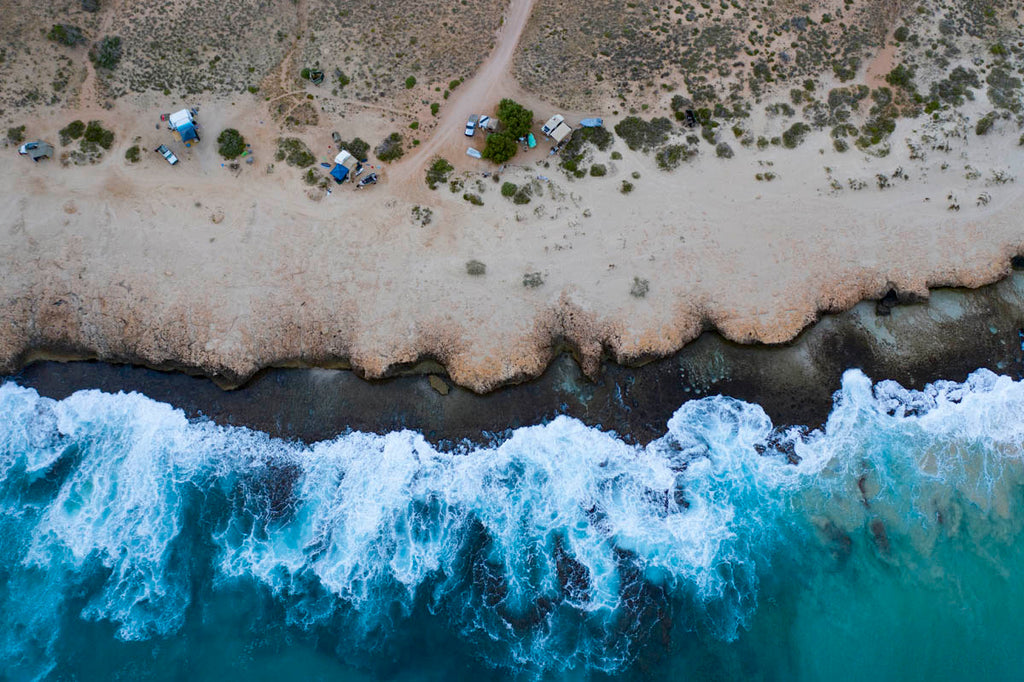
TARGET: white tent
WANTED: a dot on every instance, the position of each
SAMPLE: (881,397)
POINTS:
(346,160)
(561,131)
(552,124)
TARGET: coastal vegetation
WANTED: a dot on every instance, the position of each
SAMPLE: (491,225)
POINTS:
(66,34)
(95,135)
(294,152)
(71,131)
(132,154)
(390,149)
(437,173)
(106,54)
(475,268)
(16,134)
(517,120)
(231,144)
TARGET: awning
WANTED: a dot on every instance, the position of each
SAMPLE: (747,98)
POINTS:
(188,132)
(339,173)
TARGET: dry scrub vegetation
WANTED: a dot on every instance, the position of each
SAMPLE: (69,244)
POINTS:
(717,51)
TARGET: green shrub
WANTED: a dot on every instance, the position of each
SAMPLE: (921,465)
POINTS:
(96,134)
(876,129)
(71,131)
(517,119)
(475,268)
(16,135)
(66,34)
(508,189)
(522,196)
(901,77)
(304,74)
(639,288)
(91,5)
(357,147)
(434,108)
(500,147)
(294,152)
(598,170)
(454,84)
(840,145)
(640,134)
(410,82)
(999,50)
(901,34)
(390,149)
(723,151)
(438,172)
(231,142)
(626,187)
(795,134)
(133,154)
(1004,89)
(473,199)
(670,156)
(985,123)
(343,79)
(616,156)
(533,280)
(956,87)
(106,54)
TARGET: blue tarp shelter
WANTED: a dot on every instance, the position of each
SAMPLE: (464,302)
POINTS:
(339,173)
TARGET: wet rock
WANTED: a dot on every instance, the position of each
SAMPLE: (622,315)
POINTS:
(438,384)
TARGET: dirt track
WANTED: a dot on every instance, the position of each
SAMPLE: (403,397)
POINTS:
(478,94)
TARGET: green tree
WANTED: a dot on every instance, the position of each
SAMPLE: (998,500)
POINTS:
(231,142)
(517,119)
(500,147)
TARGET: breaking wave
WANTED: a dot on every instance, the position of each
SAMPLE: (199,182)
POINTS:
(126,527)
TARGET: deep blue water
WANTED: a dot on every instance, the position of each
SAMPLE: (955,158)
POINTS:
(137,544)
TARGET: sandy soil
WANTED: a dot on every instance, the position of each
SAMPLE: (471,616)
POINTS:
(203,268)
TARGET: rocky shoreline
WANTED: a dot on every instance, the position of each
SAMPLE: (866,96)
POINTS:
(953,333)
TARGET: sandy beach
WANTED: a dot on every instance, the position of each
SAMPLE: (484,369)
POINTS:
(222,272)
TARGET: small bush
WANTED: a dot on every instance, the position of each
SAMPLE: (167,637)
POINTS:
(985,123)
(106,54)
(294,152)
(598,170)
(91,5)
(901,77)
(626,187)
(475,268)
(473,199)
(795,134)
(640,134)
(723,151)
(438,172)
(390,149)
(16,135)
(357,147)
(840,145)
(410,82)
(500,147)
(532,280)
(508,189)
(95,133)
(71,131)
(231,142)
(901,34)
(639,288)
(66,34)
(133,154)
(616,156)
(522,196)
(670,156)
(434,108)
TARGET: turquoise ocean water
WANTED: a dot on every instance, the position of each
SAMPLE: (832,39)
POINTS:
(137,544)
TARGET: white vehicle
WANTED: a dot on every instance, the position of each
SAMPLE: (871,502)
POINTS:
(471,125)
(167,154)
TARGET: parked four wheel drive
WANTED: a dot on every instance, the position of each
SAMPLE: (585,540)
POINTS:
(167,154)
(471,125)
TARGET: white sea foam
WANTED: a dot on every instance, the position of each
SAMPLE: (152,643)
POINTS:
(561,547)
